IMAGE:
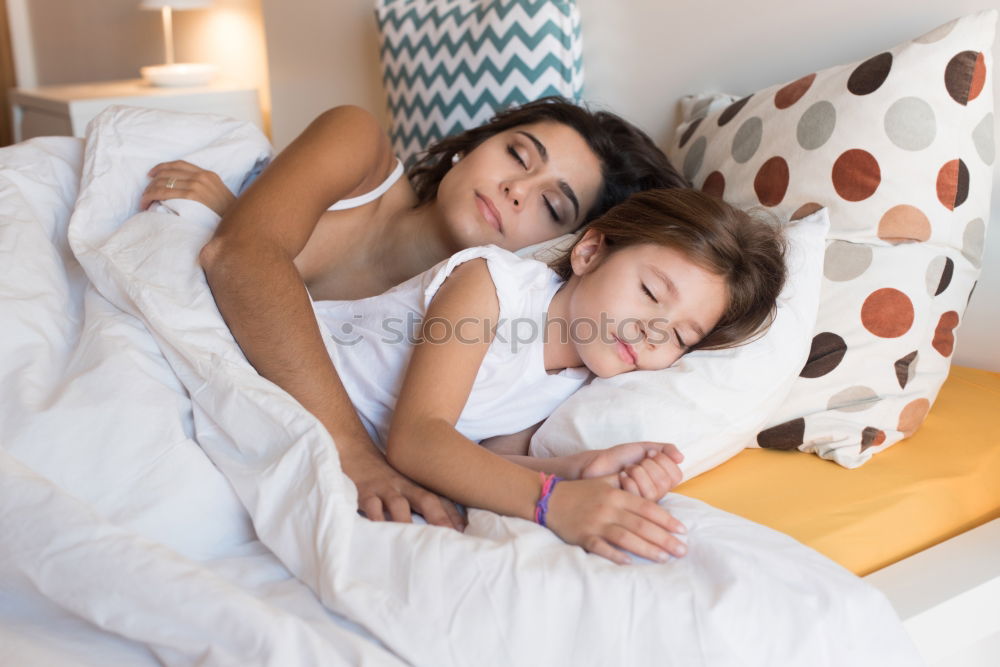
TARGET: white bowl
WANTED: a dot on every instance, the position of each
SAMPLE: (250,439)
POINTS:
(178,74)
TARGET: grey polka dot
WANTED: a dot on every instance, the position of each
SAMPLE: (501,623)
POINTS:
(845,260)
(972,241)
(910,123)
(694,158)
(938,275)
(747,139)
(816,125)
(853,399)
(982,137)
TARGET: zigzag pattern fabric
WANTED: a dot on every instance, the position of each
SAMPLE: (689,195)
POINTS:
(449,65)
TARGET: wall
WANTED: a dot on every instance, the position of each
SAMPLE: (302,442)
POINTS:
(640,56)
(75,41)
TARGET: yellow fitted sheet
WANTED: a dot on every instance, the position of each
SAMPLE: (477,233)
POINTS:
(942,481)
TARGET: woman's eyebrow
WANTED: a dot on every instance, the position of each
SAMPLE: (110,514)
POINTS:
(563,185)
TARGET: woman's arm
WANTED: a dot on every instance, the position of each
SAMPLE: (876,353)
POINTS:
(424,444)
(250,267)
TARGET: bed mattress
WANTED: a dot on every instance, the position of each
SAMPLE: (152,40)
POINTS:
(942,481)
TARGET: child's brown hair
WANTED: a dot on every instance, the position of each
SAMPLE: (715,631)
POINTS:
(747,252)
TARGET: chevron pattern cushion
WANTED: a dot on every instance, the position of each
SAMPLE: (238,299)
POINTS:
(448,65)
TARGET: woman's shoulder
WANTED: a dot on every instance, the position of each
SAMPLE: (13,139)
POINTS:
(353,138)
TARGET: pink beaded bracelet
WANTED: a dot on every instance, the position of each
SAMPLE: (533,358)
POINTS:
(542,506)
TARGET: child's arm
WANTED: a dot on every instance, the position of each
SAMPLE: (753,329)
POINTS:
(424,444)
(647,469)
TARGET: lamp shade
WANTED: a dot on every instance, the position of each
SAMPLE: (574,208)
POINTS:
(175,4)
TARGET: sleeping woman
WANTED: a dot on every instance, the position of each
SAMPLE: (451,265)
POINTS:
(330,217)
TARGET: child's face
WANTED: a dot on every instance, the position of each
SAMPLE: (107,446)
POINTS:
(520,187)
(643,306)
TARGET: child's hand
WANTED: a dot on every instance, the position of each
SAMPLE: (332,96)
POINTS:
(599,518)
(647,469)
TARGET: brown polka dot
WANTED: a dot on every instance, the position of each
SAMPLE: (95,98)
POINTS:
(887,313)
(906,368)
(904,223)
(912,416)
(947,270)
(771,181)
(732,110)
(689,132)
(944,334)
(965,75)
(871,437)
(953,184)
(805,209)
(788,435)
(825,354)
(870,75)
(793,92)
(856,175)
(715,184)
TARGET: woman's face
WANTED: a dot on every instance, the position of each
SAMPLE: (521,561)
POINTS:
(522,186)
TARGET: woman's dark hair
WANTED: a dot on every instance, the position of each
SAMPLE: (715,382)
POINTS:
(746,251)
(630,161)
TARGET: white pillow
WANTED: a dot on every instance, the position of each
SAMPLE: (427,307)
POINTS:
(711,404)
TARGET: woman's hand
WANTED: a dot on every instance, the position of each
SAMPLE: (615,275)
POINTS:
(646,469)
(386,495)
(603,520)
(183,180)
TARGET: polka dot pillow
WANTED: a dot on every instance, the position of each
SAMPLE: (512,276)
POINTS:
(900,149)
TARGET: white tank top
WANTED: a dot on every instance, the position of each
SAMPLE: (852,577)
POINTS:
(370,341)
(355,202)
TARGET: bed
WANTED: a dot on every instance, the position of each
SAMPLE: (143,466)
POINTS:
(921,527)
(162,502)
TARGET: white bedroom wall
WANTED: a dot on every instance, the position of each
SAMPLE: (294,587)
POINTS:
(640,57)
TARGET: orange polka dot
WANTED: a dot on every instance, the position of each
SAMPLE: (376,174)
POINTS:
(953,184)
(715,184)
(805,209)
(912,416)
(793,92)
(887,313)
(944,334)
(978,77)
(771,181)
(871,437)
(904,223)
(856,175)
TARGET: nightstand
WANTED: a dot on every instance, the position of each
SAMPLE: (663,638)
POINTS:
(66,110)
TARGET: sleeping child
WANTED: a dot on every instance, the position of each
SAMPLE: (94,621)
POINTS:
(488,344)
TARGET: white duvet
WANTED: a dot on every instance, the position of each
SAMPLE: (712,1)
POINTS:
(161,502)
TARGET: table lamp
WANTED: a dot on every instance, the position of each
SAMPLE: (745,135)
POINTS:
(171,73)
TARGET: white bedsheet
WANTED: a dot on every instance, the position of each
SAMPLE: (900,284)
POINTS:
(161,502)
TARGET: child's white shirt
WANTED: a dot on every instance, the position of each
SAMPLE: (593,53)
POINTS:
(371,340)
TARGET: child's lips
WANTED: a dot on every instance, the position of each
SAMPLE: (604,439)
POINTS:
(489,212)
(625,351)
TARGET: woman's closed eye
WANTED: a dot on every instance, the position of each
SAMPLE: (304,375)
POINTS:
(545,200)
(649,293)
(517,156)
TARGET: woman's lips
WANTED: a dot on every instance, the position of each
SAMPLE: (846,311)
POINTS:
(625,351)
(489,212)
